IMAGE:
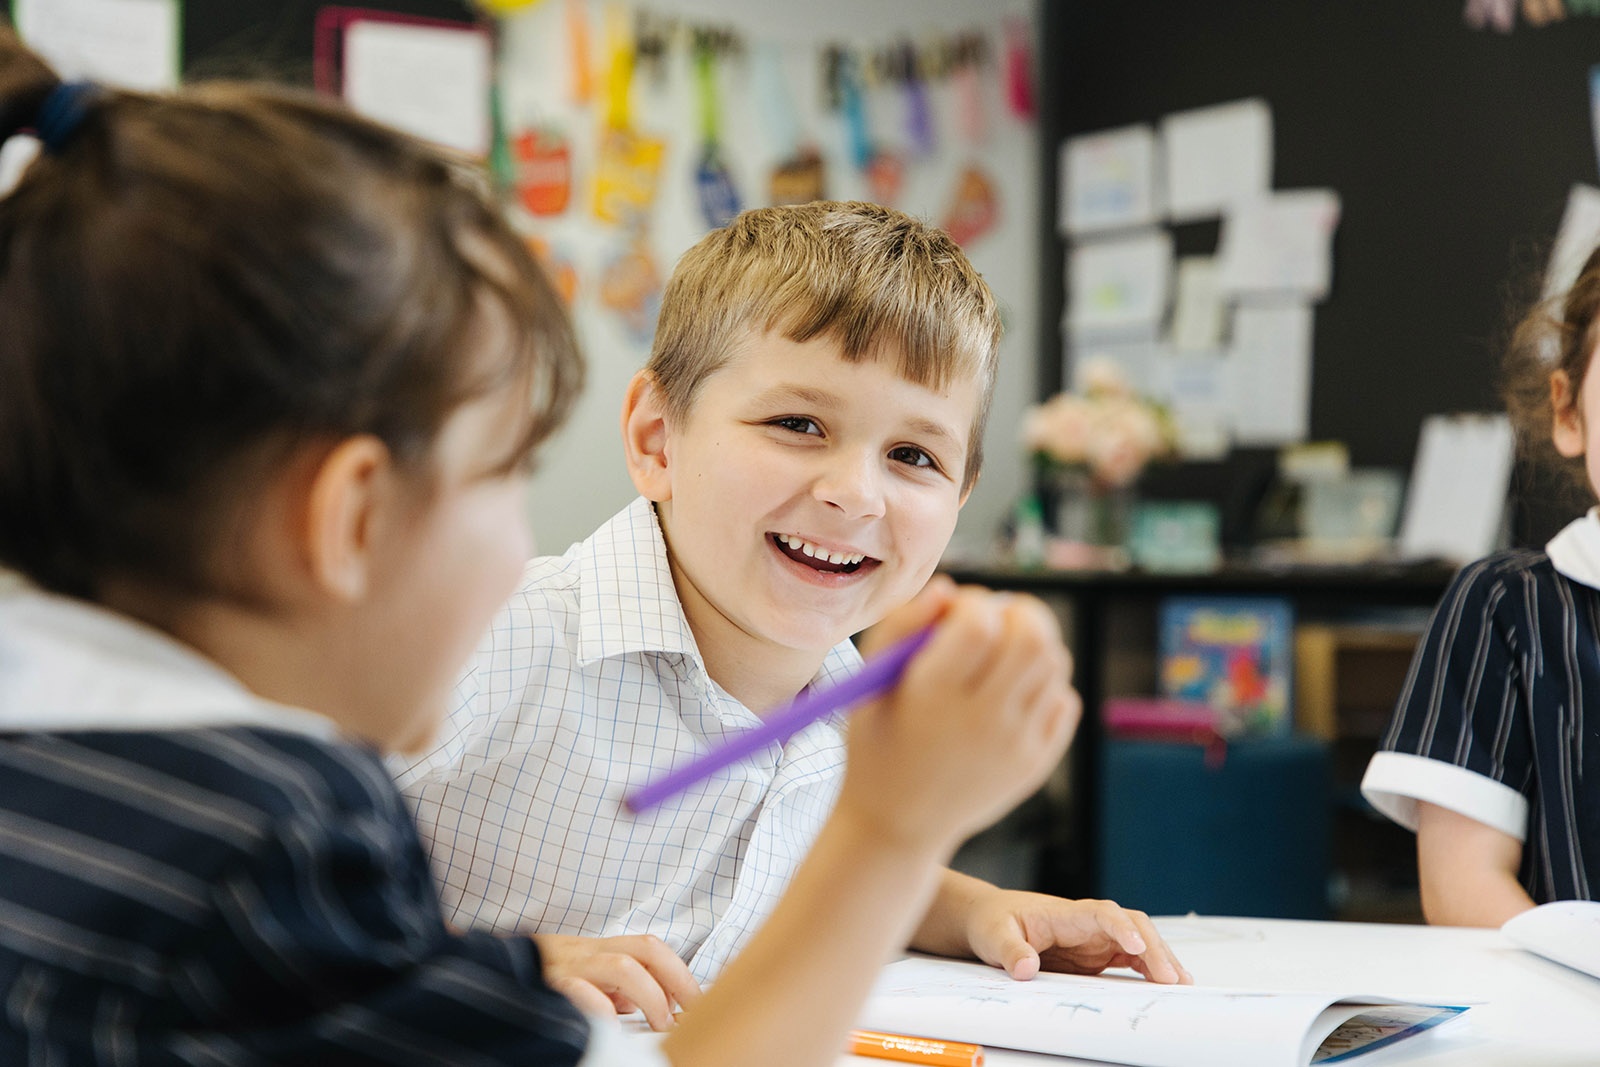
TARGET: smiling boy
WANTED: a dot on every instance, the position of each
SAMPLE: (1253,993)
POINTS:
(803,438)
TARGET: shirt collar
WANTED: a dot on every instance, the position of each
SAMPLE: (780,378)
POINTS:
(1575,551)
(628,603)
(67,664)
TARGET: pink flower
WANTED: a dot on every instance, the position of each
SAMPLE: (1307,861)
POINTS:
(1061,428)
(1108,429)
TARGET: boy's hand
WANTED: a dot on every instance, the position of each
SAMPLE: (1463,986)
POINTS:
(618,975)
(979,718)
(1023,933)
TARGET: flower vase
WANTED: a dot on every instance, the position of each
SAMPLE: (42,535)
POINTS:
(1092,520)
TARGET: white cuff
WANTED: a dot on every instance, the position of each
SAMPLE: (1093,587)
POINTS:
(1395,781)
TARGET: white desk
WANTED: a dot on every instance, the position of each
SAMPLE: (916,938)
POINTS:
(1526,1011)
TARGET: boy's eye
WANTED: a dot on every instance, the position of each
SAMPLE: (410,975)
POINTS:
(797,423)
(915,457)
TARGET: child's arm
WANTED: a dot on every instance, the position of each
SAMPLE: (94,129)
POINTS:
(1468,870)
(979,719)
(1023,933)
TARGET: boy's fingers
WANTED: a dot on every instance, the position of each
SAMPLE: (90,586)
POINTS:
(1029,661)
(1163,965)
(625,979)
(1123,928)
(964,644)
(925,608)
(669,972)
(1137,936)
(585,995)
(639,985)
(1019,959)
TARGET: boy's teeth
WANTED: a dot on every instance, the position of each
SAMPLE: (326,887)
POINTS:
(820,553)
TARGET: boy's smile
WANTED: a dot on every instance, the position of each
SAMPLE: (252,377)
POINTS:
(822,562)
(802,498)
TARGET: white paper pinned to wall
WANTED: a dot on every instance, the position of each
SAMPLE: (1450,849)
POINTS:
(1215,157)
(429,81)
(1270,372)
(128,43)
(1279,243)
(1197,307)
(1197,388)
(1456,500)
(1108,180)
(1138,354)
(1120,283)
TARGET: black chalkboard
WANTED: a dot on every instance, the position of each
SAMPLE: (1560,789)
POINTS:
(273,38)
(231,37)
(1452,150)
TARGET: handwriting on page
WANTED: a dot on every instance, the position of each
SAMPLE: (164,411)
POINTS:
(1118,1020)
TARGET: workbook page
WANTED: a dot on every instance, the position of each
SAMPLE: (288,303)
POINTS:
(1118,1020)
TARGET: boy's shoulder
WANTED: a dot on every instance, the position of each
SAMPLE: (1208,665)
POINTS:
(622,565)
(550,587)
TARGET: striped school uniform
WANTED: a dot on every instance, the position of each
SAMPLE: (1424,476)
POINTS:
(190,875)
(1494,720)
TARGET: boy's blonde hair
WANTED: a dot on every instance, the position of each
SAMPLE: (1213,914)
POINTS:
(876,280)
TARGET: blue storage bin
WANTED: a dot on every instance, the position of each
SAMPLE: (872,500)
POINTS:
(1246,836)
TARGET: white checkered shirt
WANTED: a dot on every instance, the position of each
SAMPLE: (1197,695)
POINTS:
(588,686)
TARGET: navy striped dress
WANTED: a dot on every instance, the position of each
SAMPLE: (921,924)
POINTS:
(1500,687)
(240,896)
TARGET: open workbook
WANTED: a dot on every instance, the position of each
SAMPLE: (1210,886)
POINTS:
(1133,1022)
(1567,931)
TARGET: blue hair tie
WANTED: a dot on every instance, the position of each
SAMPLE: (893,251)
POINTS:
(62,112)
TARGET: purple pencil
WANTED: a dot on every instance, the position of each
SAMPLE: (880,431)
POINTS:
(876,675)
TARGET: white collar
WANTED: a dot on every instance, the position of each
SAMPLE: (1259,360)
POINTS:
(630,604)
(67,664)
(1575,551)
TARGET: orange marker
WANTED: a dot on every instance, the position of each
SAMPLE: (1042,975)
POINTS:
(924,1050)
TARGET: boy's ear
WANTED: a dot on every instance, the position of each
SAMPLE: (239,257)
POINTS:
(1566,424)
(644,438)
(348,489)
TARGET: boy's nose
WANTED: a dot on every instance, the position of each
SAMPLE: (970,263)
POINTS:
(853,484)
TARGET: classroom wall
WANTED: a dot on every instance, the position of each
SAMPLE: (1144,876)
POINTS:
(1452,149)
(582,481)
